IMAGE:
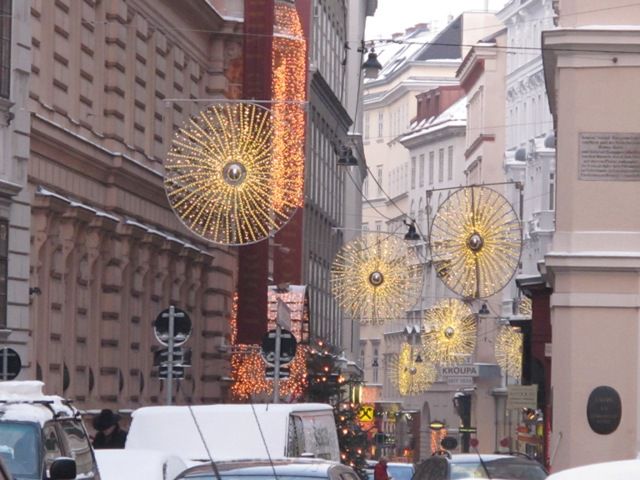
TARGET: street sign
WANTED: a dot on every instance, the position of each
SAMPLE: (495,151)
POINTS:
(365,413)
(181,327)
(460,381)
(460,371)
(270,372)
(10,364)
(288,345)
(181,356)
(283,315)
(522,396)
(467,430)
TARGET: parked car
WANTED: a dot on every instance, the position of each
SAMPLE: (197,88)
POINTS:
(138,464)
(468,465)
(619,470)
(42,436)
(290,430)
(278,469)
(396,470)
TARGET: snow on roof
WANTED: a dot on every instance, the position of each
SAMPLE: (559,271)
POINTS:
(171,429)
(137,464)
(621,470)
(25,401)
(455,115)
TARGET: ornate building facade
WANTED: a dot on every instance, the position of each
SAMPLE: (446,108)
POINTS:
(110,83)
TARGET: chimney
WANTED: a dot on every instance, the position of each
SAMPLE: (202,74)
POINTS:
(422,26)
(409,30)
(396,35)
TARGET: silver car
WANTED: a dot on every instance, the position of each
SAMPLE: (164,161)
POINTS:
(277,469)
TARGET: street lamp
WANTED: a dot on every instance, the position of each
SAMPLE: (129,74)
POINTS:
(372,66)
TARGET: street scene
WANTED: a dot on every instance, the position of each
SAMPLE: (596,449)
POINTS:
(319,239)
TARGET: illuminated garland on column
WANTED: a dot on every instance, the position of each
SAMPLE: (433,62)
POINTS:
(289,86)
(508,351)
(376,277)
(409,376)
(450,332)
(476,241)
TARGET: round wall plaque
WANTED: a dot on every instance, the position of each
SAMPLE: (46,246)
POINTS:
(604,410)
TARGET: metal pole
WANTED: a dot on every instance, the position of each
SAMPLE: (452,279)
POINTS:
(172,313)
(276,367)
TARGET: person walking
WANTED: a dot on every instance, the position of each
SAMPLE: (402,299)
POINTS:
(380,470)
(109,435)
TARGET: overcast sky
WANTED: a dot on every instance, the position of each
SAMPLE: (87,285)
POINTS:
(397,15)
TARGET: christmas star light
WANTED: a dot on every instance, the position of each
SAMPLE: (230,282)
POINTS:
(409,376)
(450,332)
(475,242)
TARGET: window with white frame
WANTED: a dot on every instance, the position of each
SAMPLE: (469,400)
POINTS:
(450,163)
(441,165)
(432,161)
(421,170)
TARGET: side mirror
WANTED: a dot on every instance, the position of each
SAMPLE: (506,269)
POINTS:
(62,468)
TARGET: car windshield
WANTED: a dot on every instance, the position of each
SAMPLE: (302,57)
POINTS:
(19,447)
(506,468)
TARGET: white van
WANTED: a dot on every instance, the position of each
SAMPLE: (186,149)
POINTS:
(237,431)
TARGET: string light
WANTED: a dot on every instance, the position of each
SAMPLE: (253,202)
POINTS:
(508,351)
(289,50)
(525,307)
(407,375)
(476,241)
(450,332)
(376,277)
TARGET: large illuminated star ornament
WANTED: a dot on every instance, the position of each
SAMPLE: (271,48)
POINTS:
(449,332)
(508,351)
(219,175)
(476,241)
(376,277)
(410,372)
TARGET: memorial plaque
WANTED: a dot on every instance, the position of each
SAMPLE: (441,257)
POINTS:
(609,157)
(604,410)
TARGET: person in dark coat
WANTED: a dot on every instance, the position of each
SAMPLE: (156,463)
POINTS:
(380,470)
(109,435)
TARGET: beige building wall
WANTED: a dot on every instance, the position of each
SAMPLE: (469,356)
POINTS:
(594,264)
(110,83)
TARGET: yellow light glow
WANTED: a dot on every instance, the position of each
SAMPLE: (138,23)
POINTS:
(525,307)
(407,375)
(220,177)
(376,277)
(289,51)
(476,241)
(509,351)
(450,332)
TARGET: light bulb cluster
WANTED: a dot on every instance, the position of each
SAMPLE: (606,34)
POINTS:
(508,351)
(450,332)
(407,375)
(476,241)
(289,85)
(376,277)
(219,175)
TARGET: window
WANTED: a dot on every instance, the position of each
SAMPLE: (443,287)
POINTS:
(552,191)
(4,262)
(380,124)
(5,47)
(379,179)
(365,227)
(79,446)
(441,165)
(431,165)
(375,364)
(413,172)
(421,170)
(450,163)
(367,125)
(51,444)
(378,226)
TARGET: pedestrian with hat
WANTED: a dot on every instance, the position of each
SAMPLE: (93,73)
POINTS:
(109,435)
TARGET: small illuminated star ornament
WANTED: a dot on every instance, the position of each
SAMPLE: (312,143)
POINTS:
(476,240)
(376,277)
(449,332)
(508,351)
(220,178)
(410,373)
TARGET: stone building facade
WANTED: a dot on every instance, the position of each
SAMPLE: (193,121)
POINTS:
(110,82)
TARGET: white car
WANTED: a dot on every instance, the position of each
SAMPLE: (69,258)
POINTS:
(138,464)
(620,470)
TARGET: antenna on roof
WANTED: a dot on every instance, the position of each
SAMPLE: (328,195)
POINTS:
(264,441)
(204,442)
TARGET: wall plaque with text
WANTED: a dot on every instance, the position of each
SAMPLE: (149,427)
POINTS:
(604,410)
(609,156)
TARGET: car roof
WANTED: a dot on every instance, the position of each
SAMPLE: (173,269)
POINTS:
(301,467)
(486,457)
(619,470)
(24,401)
